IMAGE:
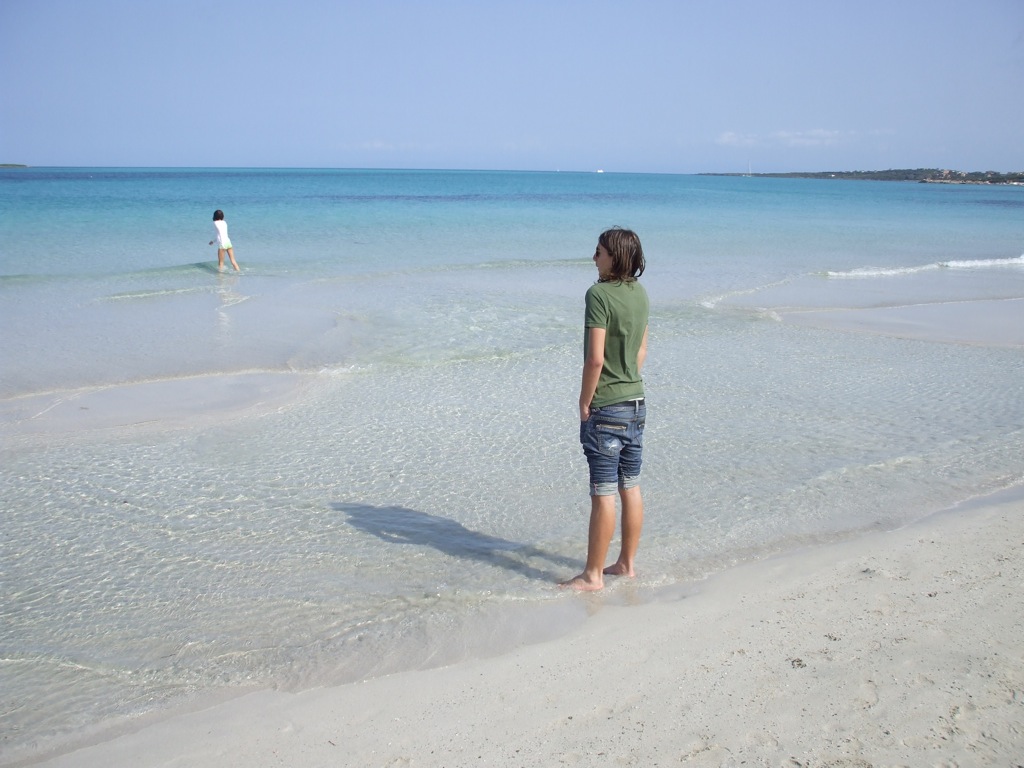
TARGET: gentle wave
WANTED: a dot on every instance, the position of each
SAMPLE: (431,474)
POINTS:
(181,269)
(157,293)
(980,263)
(167,270)
(23,279)
(862,272)
(712,302)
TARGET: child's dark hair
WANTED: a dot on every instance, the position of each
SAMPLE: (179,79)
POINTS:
(627,254)
(218,215)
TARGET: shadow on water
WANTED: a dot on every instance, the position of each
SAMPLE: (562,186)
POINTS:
(399,525)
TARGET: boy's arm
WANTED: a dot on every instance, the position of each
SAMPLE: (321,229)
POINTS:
(591,369)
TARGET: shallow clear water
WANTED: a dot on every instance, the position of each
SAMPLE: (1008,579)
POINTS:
(415,501)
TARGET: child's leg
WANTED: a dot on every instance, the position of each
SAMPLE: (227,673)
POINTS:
(231,255)
(602,529)
(220,259)
(632,524)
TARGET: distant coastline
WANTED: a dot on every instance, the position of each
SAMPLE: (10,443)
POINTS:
(921,175)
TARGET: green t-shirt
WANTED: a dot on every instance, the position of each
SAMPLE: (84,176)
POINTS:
(622,309)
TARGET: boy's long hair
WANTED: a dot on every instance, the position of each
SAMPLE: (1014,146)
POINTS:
(627,254)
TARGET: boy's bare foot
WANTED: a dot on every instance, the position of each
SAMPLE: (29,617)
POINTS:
(619,569)
(582,584)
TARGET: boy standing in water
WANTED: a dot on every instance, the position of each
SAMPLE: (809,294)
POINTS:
(223,241)
(613,411)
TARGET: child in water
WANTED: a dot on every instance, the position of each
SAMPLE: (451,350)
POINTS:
(223,241)
(613,411)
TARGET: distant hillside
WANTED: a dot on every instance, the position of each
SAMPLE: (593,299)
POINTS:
(924,175)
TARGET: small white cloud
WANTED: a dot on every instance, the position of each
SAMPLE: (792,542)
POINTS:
(733,139)
(817,137)
(383,146)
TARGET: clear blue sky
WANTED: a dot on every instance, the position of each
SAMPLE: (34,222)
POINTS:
(675,86)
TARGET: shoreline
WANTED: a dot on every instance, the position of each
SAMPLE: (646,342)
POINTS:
(159,403)
(981,322)
(862,643)
(166,403)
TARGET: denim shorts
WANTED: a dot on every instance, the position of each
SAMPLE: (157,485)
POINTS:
(613,441)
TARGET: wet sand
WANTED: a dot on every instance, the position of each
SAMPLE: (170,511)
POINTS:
(897,648)
(990,323)
(161,404)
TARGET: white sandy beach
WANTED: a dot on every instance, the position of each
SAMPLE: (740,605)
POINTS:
(897,648)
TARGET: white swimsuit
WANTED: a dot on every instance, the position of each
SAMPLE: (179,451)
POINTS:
(223,241)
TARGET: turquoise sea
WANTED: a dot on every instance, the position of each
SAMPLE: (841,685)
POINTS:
(359,455)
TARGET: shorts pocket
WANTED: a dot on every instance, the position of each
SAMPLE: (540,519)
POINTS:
(606,437)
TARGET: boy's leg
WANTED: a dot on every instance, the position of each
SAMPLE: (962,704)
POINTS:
(632,524)
(630,462)
(602,529)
